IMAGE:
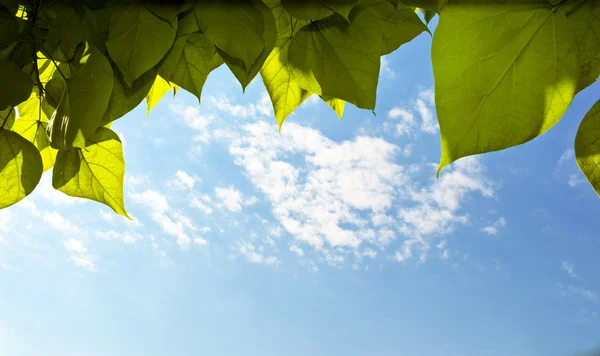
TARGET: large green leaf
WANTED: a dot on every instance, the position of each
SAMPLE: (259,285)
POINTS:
(336,104)
(84,101)
(9,28)
(95,172)
(329,52)
(167,10)
(20,168)
(286,95)
(34,131)
(503,74)
(396,24)
(138,40)
(587,146)
(309,10)
(65,34)
(15,84)
(159,88)
(36,107)
(189,62)
(243,74)
(236,28)
(7,118)
(123,99)
(584,16)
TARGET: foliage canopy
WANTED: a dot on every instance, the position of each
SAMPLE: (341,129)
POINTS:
(505,72)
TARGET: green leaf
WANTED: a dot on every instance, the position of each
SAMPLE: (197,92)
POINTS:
(124,99)
(189,62)
(36,107)
(95,172)
(503,74)
(336,104)
(138,40)
(34,131)
(234,28)
(7,118)
(65,34)
(584,17)
(286,95)
(48,69)
(9,28)
(397,25)
(20,168)
(587,146)
(159,88)
(84,100)
(187,24)
(243,75)
(428,15)
(15,84)
(329,52)
(167,10)
(310,10)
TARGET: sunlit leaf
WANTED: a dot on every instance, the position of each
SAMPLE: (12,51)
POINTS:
(236,30)
(336,104)
(124,99)
(286,95)
(138,40)
(503,74)
(34,131)
(329,52)
(159,88)
(189,62)
(7,118)
(94,172)
(83,103)
(20,168)
(587,146)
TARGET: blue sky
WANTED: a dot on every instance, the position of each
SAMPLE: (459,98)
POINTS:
(334,238)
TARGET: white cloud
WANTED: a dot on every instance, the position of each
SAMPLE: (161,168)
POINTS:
(262,107)
(425,106)
(232,199)
(323,203)
(127,237)
(407,120)
(568,267)
(183,181)
(173,223)
(59,222)
(583,292)
(53,196)
(495,227)
(386,69)
(193,119)
(249,250)
(199,204)
(79,255)
(297,250)
(575,179)
(564,157)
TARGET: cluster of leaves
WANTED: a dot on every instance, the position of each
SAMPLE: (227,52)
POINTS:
(505,72)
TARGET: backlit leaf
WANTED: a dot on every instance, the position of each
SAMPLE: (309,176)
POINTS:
(7,118)
(189,62)
(20,168)
(138,40)
(503,74)
(587,146)
(584,17)
(65,34)
(245,75)
(15,84)
(159,88)
(124,99)
(236,28)
(336,104)
(286,95)
(83,103)
(34,131)
(329,52)
(94,172)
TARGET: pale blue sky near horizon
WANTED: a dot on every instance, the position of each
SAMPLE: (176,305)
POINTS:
(333,238)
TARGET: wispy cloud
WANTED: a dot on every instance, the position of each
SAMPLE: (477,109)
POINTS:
(568,267)
(79,254)
(494,228)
